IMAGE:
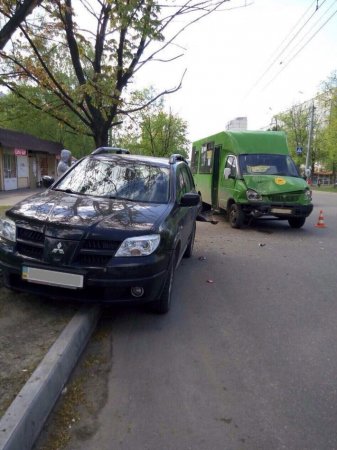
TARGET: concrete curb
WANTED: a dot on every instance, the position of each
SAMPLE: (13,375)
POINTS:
(23,421)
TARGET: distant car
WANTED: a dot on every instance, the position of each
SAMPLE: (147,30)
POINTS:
(113,228)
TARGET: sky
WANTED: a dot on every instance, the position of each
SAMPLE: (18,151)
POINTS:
(249,62)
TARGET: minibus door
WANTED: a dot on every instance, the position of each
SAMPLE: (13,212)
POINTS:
(215,177)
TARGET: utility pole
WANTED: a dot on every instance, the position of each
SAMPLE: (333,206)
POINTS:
(311,132)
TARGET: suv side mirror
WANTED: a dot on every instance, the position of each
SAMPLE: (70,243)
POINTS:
(47,181)
(190,199)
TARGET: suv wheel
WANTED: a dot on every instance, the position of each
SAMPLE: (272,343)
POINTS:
(162,306)
(236,216)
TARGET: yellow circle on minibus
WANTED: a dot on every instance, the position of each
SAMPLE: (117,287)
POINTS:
(280,180)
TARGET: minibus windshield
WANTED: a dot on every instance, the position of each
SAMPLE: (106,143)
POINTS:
(267,164)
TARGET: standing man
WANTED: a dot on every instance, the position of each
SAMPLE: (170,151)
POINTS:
(65,162)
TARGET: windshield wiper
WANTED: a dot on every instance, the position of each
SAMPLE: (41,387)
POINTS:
(69,191)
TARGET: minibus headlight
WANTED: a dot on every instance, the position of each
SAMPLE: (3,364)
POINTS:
(253,196)
(308,195)
(7,229)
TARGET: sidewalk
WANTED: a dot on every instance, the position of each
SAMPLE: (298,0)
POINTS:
(8,198)
(23,421)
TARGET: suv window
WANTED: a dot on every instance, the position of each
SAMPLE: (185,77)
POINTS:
(184,182)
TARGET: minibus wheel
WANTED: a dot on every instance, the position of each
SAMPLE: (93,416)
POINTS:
(296,222)
(236,216)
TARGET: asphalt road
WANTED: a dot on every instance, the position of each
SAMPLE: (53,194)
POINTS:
(246,358)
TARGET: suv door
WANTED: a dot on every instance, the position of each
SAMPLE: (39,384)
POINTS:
(186,215)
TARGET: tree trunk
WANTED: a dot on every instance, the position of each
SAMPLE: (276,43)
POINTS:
(101,137)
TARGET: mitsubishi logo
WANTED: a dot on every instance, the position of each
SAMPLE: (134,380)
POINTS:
(58,249)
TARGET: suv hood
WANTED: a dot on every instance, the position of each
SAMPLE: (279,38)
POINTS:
(75,215)
(274,184)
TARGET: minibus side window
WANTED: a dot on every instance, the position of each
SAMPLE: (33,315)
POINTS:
(206,160)
(231,164)
(195,160)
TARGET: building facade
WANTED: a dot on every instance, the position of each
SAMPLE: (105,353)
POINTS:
(237,124)
(24,159)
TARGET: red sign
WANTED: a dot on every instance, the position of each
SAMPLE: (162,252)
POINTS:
(20,152)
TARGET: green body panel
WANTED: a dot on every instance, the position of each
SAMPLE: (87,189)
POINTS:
(273,188)
(265,184)
(237,142)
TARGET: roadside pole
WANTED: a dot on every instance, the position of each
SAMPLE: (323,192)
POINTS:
(311,132)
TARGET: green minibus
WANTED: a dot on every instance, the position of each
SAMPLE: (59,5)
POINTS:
(250,175)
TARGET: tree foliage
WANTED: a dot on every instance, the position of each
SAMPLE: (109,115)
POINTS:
(295,123)
(328,104)
(16,114)
(86,53)
(164,134)
(153,130)
(297,120)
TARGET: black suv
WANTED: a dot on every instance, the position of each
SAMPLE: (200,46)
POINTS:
(113,228)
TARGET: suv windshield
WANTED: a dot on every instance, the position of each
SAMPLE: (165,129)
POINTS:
(118,178)
(267,164)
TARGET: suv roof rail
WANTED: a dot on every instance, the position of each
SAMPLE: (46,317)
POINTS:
(116,150)
(176,157)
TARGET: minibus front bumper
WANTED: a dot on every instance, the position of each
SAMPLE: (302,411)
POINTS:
(284,211)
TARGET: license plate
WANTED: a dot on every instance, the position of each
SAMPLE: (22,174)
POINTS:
(52,277)
(280,211)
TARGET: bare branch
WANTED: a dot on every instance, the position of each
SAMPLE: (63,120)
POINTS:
(184,9)
(147,104)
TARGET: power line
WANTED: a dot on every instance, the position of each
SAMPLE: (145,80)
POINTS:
(290,39)
(312,27)
(285,40)
(303,46)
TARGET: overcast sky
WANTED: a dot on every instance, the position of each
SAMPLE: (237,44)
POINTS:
(241,62)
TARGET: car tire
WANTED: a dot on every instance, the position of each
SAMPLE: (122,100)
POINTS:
(163,304)
(235,216)
(189,249)
(296,222)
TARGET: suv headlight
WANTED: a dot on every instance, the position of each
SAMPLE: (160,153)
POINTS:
(253,195)
(139,245)
(7,229)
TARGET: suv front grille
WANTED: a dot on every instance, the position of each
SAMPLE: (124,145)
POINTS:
(30,250)
(30,243)
(100,244)
(92,252)
(97,252)
(93,260)
(29,235)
